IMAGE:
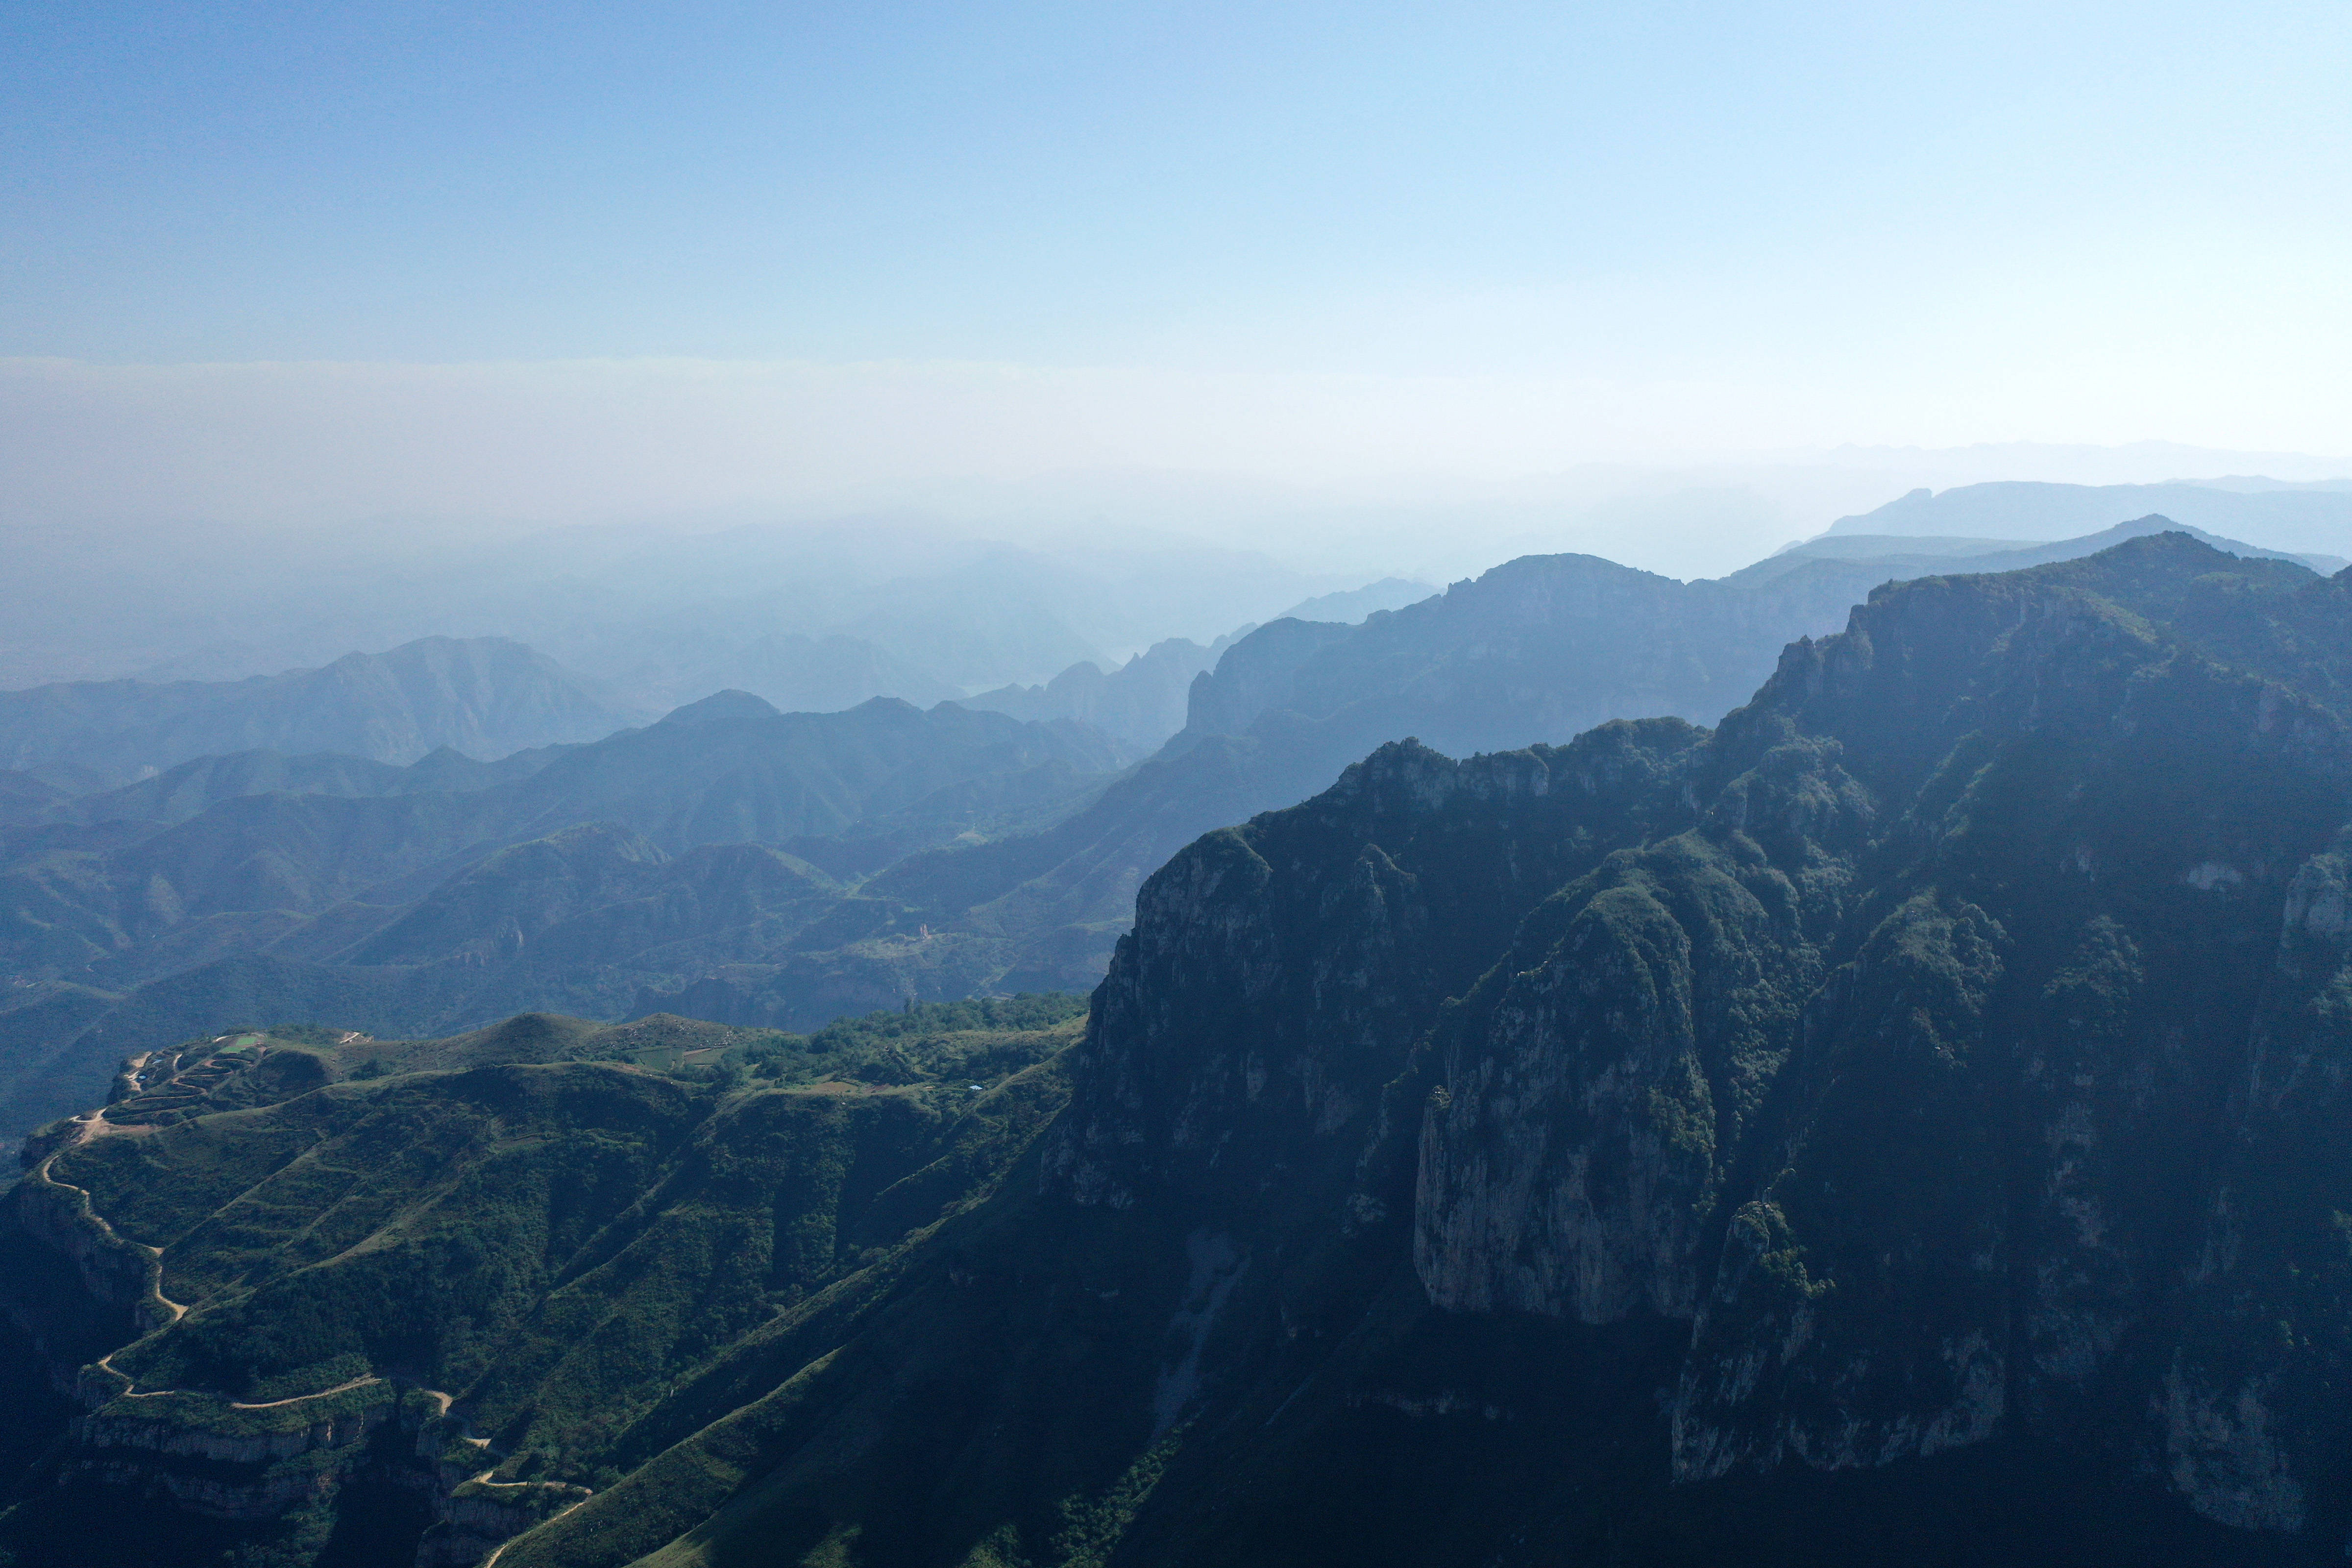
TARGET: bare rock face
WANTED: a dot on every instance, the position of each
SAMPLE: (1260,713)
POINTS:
(2249,1400)
(1568,1167)
(1595,1084)
(1904,1085)
(1859,1313)
(1279,973)
(226,1475)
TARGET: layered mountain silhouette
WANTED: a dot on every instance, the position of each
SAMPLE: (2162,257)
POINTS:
(482,696)
(2314,519)
(1354,604)
(1904,1123)
(1147,700)
(898,854)
(325,898)
(1142,701)
(1908,555)
(1537,649)
(794,672)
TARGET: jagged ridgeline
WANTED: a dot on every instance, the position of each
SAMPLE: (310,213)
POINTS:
(1908,1123)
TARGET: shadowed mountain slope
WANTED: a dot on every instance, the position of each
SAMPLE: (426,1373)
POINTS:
(1903,1124)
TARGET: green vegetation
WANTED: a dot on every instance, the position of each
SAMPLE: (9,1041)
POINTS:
(1025,1011)
(527,1220)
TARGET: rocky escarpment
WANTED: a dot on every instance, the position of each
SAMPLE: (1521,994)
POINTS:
(2249,1400)
(1279,973)
(1953,1047)
(226,1463)
(255,1464)
(1597,1082)
(119,1276)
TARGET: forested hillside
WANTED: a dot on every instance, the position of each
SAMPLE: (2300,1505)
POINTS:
(644,860)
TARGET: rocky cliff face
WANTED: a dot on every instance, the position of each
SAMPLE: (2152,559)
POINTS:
(1951,1042)
(1279,973)
(1599,1080)
(2249,1395)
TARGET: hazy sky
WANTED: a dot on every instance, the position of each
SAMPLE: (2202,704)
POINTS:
(1300,241)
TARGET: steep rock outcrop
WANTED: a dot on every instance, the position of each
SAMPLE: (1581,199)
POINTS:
(1597,1082)
(1279,973)
(2249,1433)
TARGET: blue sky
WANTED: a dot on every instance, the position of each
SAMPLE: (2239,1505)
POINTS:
(1609,226)
(1092,184)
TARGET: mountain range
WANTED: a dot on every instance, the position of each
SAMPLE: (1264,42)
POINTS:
(776,870)
(482,696)
(1142,701)
(1902,1122)
(1905,555)
(2306,518)
(674,844)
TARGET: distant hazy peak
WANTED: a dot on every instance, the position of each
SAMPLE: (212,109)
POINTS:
(484,696)
(2316,520)
(1355,604)
(718,705)
(1919,555)
(2157,523)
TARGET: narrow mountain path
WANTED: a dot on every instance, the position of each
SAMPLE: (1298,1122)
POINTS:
(442,1401)
(500,1550)
(93,1124)
(299,1398)
(89,1125)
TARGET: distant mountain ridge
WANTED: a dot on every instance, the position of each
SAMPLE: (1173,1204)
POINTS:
(1147,700)
(486,697)
(1915,555)
(2316,520)
(659,851)
(1540,648)
(194,786)
(1353,604)
(800,674)
(1142,701)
